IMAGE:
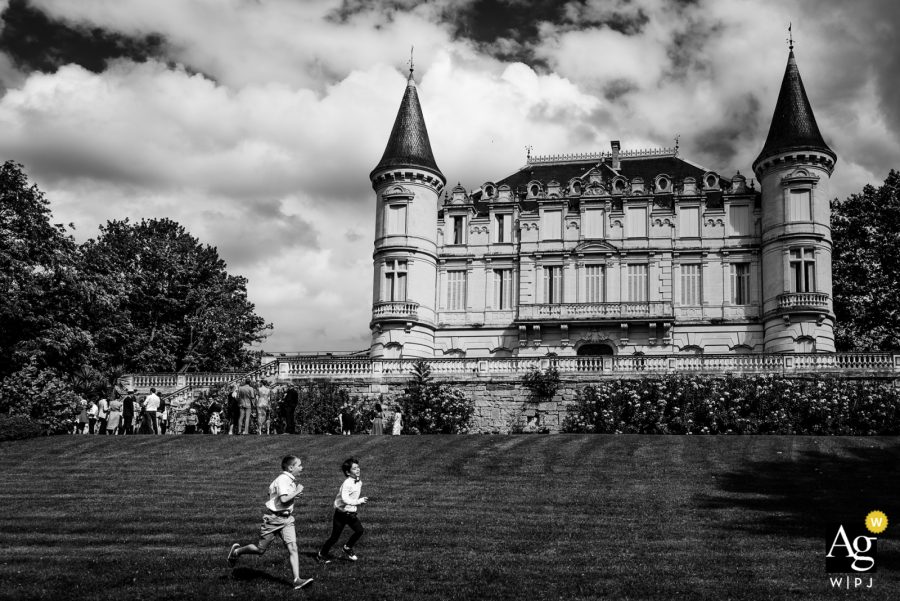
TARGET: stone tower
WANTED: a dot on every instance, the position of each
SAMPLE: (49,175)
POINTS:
(407,184)
(794,170)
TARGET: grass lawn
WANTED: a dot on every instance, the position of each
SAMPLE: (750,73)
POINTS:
(450,517)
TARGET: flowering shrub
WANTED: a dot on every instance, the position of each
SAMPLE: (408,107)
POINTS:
(432,408)
(17,427)
(736,405)
(542,384)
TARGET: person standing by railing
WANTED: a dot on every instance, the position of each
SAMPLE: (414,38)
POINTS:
(264,393)
(151,404)
(289,407)
(114,418)
(102,414)
(246,396)
(128,405)
(92,416)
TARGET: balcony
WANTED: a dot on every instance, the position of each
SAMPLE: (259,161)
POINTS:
(395,310)
(597,311)
(793,301)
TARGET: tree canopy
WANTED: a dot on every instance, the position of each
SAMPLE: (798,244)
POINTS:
(43,299)
(865,230)
(176,307)
(142,296)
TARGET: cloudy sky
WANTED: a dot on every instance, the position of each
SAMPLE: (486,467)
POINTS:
(255,123)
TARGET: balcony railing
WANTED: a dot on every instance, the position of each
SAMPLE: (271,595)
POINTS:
(803,300)
(403,309)
(595,311)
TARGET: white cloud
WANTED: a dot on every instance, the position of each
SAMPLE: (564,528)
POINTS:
(266,153)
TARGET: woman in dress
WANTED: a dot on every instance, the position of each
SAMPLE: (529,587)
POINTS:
(378,420)
(398,423)
(114,418)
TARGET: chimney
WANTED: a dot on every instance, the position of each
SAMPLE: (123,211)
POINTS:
(615,154)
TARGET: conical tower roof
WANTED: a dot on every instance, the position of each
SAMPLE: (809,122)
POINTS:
(793,124)
(408,145)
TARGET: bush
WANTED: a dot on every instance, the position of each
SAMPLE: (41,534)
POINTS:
(17,427)
(41,396)
(736,405)
(432,408)
(542,384)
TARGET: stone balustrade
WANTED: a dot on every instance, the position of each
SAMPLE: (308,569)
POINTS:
(797,300)
(405,309)
(349,368)
(615,311)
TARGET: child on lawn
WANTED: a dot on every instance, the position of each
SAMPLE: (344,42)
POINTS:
(346,507)
(278,519)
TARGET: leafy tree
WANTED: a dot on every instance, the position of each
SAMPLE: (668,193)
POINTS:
(43,296)
(866,268)
(41,395)
(429,407)
(174,305)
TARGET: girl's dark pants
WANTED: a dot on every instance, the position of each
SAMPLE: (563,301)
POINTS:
(341,519)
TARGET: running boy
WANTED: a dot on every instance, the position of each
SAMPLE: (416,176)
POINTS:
(278,519)
(346,507)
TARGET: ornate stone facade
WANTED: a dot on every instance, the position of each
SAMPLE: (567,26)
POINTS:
(619,252)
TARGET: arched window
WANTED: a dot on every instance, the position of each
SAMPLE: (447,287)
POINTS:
(595,350)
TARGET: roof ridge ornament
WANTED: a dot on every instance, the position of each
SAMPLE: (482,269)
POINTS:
(410,61)
(790,39)
(598,156)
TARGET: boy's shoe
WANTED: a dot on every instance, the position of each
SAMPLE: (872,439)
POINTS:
(299,583)
(349,553)
(323,559)
(232,558)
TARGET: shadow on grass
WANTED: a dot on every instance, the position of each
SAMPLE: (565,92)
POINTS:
(250,574)
(800,496)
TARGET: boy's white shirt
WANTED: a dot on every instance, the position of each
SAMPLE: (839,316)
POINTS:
(284,484)
(348,496)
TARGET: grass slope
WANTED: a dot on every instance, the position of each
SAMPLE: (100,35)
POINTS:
(451,517)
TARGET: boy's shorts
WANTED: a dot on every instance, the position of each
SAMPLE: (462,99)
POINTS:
(276,524)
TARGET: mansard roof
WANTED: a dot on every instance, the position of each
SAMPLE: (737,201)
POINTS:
(646,166)
(793,124)
(408,144)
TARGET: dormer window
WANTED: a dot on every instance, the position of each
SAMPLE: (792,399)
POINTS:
(711,180)
(619,186)
(663,183)
(459,229)
(576,188)
(535,190)
(489,191)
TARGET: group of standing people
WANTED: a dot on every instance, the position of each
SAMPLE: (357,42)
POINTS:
(242,402)
(127,415)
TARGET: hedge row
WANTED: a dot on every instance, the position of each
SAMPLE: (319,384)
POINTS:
(737,405)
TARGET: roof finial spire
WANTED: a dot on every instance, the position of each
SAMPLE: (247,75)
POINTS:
(410,61)
(677,139)
(790,39)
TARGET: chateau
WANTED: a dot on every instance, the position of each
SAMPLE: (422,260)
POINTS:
(614,253)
